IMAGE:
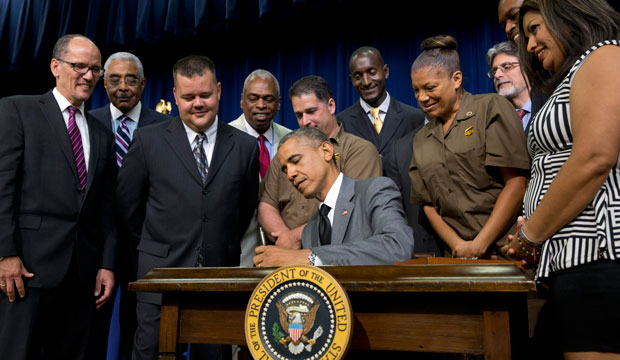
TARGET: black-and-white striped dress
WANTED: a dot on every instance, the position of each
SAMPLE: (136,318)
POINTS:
(593,234)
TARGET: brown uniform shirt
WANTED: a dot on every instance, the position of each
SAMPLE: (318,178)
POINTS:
(458,173)
(355,157)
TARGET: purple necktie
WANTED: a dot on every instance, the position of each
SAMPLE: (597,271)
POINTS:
(78,149)
(122,139)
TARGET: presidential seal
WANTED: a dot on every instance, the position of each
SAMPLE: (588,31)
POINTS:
(298,312)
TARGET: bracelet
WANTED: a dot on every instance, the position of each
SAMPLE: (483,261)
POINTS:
(528,247)
(527,240)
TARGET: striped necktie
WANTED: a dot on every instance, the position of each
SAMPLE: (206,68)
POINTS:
(201,157)
(78,149)
(123,139)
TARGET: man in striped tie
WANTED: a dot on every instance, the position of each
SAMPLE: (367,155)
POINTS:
(124,83)
(57,232)
(509,81)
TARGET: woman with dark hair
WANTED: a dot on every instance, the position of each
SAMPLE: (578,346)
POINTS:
(571,49)
(470,163)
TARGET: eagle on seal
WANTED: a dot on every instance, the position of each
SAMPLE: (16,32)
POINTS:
(297,323)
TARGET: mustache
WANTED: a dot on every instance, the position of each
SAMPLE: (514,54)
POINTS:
(123,95)
(500,82)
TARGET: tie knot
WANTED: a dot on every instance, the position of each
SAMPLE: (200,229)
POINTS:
(261,139)
(200,138)
(123,118)
(72,110)
(374,112)
(521,113)
(325,210)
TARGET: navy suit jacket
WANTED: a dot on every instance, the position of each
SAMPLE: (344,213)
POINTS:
(396,167)
(147,116)
(399,120)
(161,198)
(44,218)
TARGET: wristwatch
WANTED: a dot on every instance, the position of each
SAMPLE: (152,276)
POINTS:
(312,257)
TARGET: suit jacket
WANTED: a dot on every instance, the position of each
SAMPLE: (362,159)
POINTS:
(369,226)
(147,116)
(44,219)
(251,238)
(396,167)
(127,244)
(399,120)
(159,182)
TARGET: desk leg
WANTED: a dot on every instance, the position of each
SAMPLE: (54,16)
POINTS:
(169,331)
(496,335)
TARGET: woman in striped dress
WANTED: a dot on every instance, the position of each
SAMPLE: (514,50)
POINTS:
(571,225)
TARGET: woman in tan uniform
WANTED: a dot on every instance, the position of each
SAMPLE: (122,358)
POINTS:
(470,163)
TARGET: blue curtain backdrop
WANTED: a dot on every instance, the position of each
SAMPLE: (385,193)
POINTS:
(290,38)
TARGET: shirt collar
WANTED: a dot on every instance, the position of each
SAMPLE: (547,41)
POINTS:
(63,103)
(268,134)
(382,108)
(528,106)
(210,133)
(332,194)
(134,114)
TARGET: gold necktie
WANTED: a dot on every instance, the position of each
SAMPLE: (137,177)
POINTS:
(378,123)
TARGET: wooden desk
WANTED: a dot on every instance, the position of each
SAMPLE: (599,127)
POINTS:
(468,308)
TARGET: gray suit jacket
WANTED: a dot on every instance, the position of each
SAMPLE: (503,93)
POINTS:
(369,226)
(399,120)
(251,238)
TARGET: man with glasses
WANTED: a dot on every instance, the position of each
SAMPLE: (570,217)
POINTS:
(124,83)
(503,60)
(57,233)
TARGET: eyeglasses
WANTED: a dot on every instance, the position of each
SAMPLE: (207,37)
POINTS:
(83,68)
(115,81)
(505,67)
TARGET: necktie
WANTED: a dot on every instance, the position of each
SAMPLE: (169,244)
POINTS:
(78,149)
(263,156)
(378,123)
(521,113)
(325,227)
(201,157)
(122,139)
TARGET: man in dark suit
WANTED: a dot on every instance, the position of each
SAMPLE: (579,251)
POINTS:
(376,116)
(396,166)
(124,82)
(57,232)
(360,222)
(187,189)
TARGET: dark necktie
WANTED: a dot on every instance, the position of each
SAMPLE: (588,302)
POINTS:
(203,169)
(78,149)
(521,113)
(325,227)
(201,157)
(263,156)
(123,139)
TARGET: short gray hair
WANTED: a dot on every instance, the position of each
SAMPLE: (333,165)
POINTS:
(505,47)
(263,74)
(125,56)
(308,135)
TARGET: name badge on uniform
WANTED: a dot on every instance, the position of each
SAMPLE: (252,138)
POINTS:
(469,131)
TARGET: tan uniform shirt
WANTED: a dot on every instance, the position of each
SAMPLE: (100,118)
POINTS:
(458,173)
(355,157)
